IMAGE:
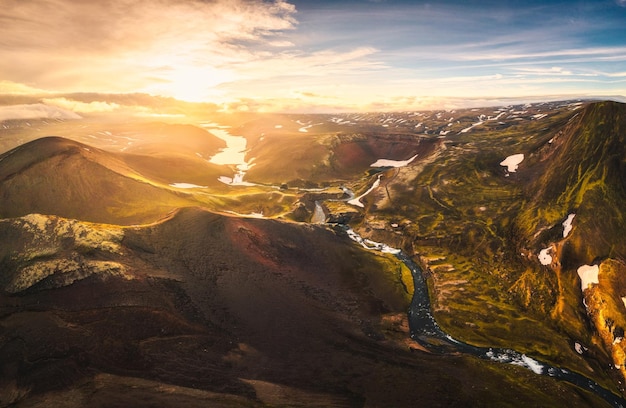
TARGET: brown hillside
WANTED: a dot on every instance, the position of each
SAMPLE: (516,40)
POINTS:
(207,310)
(62,177)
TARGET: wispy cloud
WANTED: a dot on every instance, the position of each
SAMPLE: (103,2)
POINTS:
(119,45)
(596,52)
(9,87)
(262,53)
(552,71)
(35,111)
(82,107)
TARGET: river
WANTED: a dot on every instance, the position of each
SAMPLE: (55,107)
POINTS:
(233,154)
(425,330)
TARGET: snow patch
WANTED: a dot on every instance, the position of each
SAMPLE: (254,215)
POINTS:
(372,245)
(567,225)
(588,276)
(544,256)
(467,129)
(392,163)
(578,347)
(512,162)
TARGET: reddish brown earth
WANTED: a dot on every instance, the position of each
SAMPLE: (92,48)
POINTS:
(220,311)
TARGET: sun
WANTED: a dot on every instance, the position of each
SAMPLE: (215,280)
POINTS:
(192,84)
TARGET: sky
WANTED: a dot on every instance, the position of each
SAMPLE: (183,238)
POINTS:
(344,55)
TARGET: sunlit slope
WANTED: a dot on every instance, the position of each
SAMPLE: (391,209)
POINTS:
(62,177)
(318,158)
(116,133)
(171,169)
(575,213)
(202,309)
(582,171)
(460,215)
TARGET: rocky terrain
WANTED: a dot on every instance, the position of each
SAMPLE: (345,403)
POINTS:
(135,268)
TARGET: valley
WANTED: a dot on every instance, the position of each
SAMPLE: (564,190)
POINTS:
(202,257)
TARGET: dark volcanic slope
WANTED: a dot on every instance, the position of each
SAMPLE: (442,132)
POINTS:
(207,310)
(62,177)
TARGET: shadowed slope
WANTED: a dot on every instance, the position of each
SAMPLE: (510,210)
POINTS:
(223,311)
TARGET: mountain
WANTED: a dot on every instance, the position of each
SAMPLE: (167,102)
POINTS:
(202,308)
(575,215)
(313,149)
(130,275)
(62,177)
(582,170)
(482,232)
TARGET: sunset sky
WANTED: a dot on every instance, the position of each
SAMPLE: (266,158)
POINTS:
(316,55)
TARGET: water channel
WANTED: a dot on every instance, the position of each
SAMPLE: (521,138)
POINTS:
(425,330)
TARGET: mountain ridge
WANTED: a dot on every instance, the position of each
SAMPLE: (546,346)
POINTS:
(67,178)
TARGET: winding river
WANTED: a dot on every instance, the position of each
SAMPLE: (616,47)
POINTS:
(425,330)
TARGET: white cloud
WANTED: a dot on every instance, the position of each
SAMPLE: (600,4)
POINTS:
(35,111)
(608,52)
(83,107)
(9,87)
(553,71)
(122,45)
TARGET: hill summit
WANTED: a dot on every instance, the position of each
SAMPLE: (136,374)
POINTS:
(54,175)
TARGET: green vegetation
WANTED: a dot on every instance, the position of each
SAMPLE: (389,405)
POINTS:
(475,229)
(478,231)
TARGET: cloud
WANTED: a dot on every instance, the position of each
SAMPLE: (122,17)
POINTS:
(301,64)
(8,87)
(596,52)
(190,49)
(553,71)
(123,45)
(77,106)
(343,52)
(621,3)
(35,111)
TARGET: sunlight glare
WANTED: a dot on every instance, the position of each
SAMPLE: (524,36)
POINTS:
(193,84)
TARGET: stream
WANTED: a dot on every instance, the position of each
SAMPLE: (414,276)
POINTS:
(425,330)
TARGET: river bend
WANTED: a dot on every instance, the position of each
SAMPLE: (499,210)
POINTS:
(425,330)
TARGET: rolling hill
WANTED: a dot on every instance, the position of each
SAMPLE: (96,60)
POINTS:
(62,177)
